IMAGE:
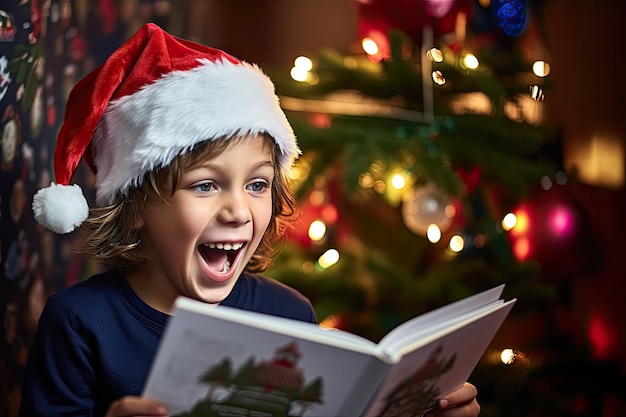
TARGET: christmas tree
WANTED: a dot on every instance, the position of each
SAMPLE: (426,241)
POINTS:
(421,155)
(414,153)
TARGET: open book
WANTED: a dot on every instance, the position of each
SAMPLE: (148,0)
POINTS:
(220,361)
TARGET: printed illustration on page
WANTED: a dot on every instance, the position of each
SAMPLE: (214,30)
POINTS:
(273,387)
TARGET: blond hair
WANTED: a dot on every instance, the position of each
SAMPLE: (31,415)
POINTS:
(113,232)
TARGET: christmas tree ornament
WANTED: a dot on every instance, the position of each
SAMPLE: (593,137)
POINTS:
(511,15)
(553,230)
(427,205)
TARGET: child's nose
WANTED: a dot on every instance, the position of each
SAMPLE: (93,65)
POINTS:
(234,208)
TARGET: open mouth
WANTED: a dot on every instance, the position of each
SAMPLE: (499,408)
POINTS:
(220,257)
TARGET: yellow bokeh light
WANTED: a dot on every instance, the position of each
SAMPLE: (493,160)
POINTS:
(541,68)
(328,258)
(398,181)
(317,230)
(366,180)
(303,63)
(522,223)
(457,243)
(379,187)
(470,62)
(507,356)
(435,55)
(317,197)
(299,74)
(433,233)
(369,46)
(509,221)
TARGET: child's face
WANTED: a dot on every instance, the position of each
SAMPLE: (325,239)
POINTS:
(200,242)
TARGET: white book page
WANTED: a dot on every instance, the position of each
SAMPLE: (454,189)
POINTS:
(442,314)
(300,329)
(406,341)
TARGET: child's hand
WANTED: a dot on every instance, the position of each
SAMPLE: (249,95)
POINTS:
(136,406)
(459,403)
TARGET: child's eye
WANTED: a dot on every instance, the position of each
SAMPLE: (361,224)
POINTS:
(258,186)
(204,187)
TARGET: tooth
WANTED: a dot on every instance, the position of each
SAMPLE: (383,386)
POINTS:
(210,245)
(226,267)
(228,246)
(219,245)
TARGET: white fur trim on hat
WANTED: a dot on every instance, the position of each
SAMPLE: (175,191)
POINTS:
(147,129)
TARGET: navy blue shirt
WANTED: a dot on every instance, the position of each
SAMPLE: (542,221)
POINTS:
(96,341)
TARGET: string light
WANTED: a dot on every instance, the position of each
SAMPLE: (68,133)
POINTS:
(438,78)
(435,55)
(328,258)
(511,356)
(457,243)
(317,230)
(369,46)
(301,70)
(398,181)
(509,221)
(433,233)
(470,62)
(536,93)
(541,68)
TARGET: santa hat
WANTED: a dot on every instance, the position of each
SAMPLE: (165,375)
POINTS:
(154,98)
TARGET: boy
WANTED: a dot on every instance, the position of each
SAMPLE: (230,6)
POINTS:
(190,149)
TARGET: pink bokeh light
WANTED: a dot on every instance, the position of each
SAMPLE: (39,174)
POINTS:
(561,221)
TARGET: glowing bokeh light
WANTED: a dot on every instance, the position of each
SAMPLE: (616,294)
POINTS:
(507,356)
(536,93)
(299,74)
(604,339)
(333,321)
(521,249)
(304,63)
(366,180)
(438,78)
(560,178)
(369,46)
(328,258)
(329,214)
(522,222)
(435,55)
(509,221)
(433,233)
(561,221)
(398,181)
(469,61)
(541,68)
(457,243)
(317,230)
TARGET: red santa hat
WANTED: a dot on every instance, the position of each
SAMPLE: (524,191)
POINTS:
(154,98)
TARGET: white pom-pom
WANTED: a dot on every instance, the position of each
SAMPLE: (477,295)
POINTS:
(60,208)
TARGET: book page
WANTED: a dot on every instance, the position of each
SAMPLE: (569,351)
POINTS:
(437,365)
(437,316)
(216,367)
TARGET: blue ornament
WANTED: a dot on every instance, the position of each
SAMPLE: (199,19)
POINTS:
(512,15)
